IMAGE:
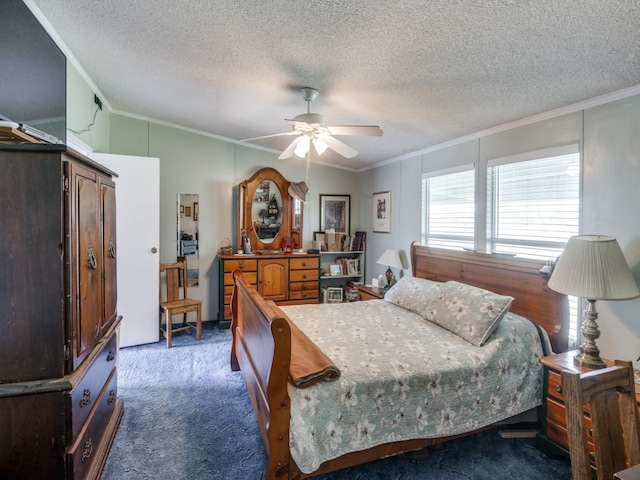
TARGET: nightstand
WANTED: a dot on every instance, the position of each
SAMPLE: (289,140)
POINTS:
(368,292)
(552,438)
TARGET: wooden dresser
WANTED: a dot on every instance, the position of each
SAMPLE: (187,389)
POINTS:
(59,408)
(287,279)
(553,439)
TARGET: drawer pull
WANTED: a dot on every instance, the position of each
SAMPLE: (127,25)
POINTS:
(112,355)
(86,453)
(86,398)
(558,388)
(304,295)
(304,287)
(304,276)
(240,265)
(112,397)
(304,264)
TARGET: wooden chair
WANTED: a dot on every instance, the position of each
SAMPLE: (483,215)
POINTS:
(610,394)
(174,300)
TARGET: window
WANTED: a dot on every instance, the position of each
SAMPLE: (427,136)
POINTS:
(532,207)
(448,216)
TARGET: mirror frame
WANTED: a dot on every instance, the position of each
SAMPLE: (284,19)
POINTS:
(288,229)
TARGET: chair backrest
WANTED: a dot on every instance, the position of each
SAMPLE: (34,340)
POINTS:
(173,286)
(610,394)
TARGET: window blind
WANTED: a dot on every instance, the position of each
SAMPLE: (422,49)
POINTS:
(533,206)
(449,213)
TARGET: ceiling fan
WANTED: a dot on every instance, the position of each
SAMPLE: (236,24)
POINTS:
(311,129)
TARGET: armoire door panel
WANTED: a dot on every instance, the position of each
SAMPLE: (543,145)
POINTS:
(88,257)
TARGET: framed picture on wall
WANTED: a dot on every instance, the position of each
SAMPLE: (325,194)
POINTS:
(196,211)
(187,211)
(334,213)
(382,212)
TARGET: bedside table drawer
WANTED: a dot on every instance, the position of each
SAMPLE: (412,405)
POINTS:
(554,388)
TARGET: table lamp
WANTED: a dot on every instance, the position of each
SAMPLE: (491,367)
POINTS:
(593,267)
(390,258)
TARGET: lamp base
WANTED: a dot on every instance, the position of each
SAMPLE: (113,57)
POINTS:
(589,354)
(586,359)
(389,275)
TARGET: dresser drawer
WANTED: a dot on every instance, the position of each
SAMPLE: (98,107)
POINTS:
(303,275)
(301,290)
(84,450)
(250,277)
(84,396)
(304,263)
(246,265)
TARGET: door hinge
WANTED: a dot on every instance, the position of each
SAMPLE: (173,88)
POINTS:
(65,185)
(66,353)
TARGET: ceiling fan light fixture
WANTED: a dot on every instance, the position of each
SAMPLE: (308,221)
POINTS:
(319,145)
(303,146)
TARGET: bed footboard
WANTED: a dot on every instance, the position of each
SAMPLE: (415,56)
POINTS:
(261,349)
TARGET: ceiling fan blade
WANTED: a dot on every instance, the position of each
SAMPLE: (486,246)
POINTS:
(268,136)
(339,147)
(364,130)
(289,150)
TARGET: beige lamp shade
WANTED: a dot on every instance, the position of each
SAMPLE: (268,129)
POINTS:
(390,258)
(594,267)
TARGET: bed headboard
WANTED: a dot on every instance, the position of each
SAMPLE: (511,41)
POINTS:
(517,277)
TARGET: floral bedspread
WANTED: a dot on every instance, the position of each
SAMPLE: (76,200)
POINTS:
(404,377)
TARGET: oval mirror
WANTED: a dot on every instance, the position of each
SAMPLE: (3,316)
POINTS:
(266,211)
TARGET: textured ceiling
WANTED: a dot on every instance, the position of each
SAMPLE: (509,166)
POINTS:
(426,72)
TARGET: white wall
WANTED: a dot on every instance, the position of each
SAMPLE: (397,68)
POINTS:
(611,205)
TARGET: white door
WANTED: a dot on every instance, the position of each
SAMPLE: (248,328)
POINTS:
(138,237)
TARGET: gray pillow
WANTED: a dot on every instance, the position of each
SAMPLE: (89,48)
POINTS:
(470,312)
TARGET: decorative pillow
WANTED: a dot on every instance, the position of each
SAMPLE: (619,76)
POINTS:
(413,294)
(470,312)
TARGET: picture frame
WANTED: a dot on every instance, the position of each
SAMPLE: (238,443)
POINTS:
(196,211)
(334,295)
(246,244)
(381,206)
(352,266)
(335,269)
(187,211)
(320,237)
(335,213)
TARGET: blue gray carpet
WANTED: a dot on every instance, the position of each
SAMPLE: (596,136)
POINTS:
(188,416)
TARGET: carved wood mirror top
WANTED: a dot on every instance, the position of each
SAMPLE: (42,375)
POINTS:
(266,210)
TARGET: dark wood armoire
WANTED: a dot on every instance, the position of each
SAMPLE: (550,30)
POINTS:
(59,408)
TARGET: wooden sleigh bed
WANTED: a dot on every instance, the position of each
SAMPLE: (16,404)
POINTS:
(262,340)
